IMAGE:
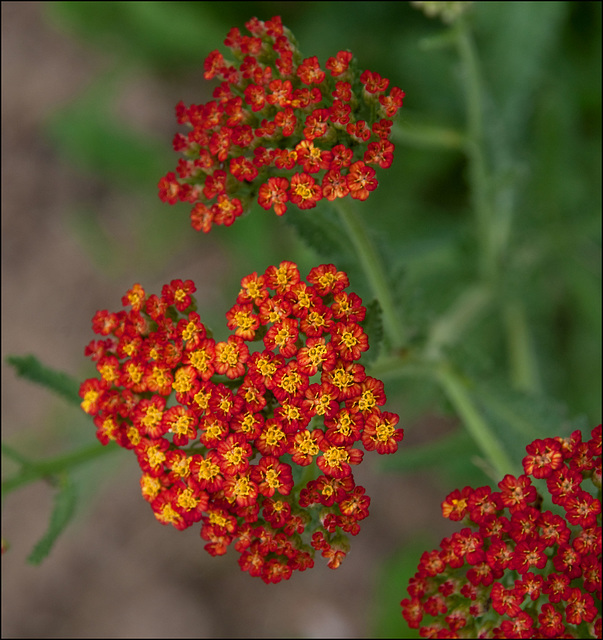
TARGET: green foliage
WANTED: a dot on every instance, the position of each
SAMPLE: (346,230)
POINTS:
(391,581)
(30,368)
(164,34)
(541,91)
(64,508)
(373,327)
(91,137)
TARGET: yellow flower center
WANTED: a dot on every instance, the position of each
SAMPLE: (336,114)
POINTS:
(304,300)
(367,401)
(153,416)
(181,467)
(349,339)
(385,431)
(189,331)
(344,425)
(187,500)
(202,399)
(307,445)
(303,191)
(266,368)
(214,430)
(229,354)
(218,519)
(160,377)
(248,423)
(150,486)
(182,382)
(272,478)
(326,280)
(243,320)
(241,487)
(342,379)
(274,435)
(316,319)
(200,359)
(291,411)
(208,470)
(109,373)
(335,456)
(253,290)
(167,515)
(90,397)
(133,435)
(155,456)
(109,428)
(317,353)
(290,382)
(225,405)
(282,336)
(235,455)
(181,425)
(134,372)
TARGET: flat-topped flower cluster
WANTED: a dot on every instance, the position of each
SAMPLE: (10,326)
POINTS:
(257,445)
(280,130)
(518,571)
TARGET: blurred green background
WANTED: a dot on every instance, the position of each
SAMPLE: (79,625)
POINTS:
(126,65)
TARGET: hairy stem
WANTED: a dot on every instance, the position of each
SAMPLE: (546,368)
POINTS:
(34,470)
(460,397)
(373,268)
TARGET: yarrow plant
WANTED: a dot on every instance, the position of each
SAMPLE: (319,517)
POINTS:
(281,129)
(257,445)
(255,438)
(519,570)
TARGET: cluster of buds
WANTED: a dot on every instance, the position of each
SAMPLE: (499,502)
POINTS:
(525,572)
(256,445)
(280,130)
(448,12)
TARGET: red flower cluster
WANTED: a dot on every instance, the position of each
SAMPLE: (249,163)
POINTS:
(280,129)
(259,445)
(519,571)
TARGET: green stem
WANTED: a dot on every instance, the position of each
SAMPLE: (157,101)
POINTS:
(421,135)
(32,470)
(493,221)
(478,173)
(458,394)
(373,268)
(524,368)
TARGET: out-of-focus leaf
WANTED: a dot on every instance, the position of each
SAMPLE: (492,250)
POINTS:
(30,368)
(519,418)
(163,34)
(455,445)
(392,581)
(63,511)
(516,42)
(373,327)
(92,138)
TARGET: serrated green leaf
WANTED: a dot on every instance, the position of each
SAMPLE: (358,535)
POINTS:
(373,327)
(321,230)
(63,511)
(519,418)
(516,41)
(30,368)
